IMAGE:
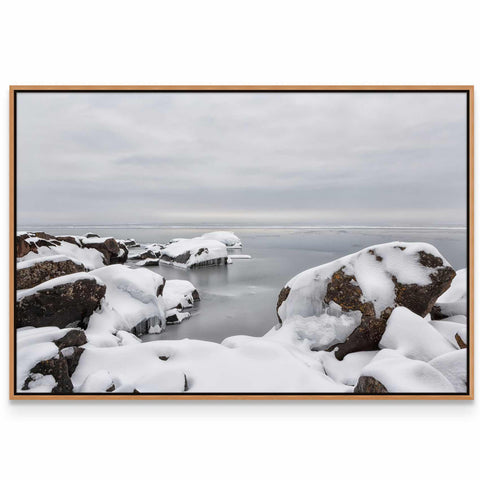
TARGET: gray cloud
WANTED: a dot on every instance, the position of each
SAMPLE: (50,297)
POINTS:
(270,158)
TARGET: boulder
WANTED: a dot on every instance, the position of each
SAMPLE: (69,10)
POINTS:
(61,304)
(369,385)
(370,283)
(73,338)
(32,273)
(195,252)
(22,247)
(112,252)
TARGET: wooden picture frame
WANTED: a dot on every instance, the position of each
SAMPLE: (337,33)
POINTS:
(468,90)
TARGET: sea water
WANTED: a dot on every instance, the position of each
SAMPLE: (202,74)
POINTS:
(240,298)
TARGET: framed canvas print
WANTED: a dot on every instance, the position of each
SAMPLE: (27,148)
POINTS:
(241,242)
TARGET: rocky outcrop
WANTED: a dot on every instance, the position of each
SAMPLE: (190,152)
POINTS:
(112,251)
(369,385)
(370,283)
(41,271)
(63,305)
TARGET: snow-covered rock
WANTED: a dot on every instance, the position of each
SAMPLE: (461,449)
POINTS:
(195,252)
(413,336)
(368,284)
(227,238)
(453,366)
(399,374)
(179,294)
(133,303)
(256,366)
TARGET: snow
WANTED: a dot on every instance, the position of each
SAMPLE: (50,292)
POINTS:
(319,333)
(235,257)
(399,259)
(178,292)
(42,383)
(227,238)
(33,346)
(256,366)
(458,289)
(453,366)
(51,258)
(413,336)
(89,257)
(210,250)
(400,374)
(454,300)
(55,282)
(130,298)
(348,370)
(97,382)
(449,329)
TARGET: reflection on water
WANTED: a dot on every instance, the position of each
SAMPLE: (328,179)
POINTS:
(240,298)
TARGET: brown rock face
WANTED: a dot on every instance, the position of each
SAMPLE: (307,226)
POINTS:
(344,290)
(73,338)
(369,385)
(42,271)
(284,292)
(365,337)
(459,341)
(23,247)
(68,304)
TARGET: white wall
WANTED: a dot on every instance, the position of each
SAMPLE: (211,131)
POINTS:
(219,42)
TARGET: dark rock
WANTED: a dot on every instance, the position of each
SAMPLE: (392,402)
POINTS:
(91,235)
(144,255)
(73,338)
(150,262)
(58,368)
(344,290)
(436,313)
(365,337)
(64,305)
(23,247)
(161,287)
(369,385)
(69,239)
(195,296)
(42,271)
(284,292)
(460,342)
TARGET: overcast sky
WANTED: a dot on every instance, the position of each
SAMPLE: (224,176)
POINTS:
(241,158)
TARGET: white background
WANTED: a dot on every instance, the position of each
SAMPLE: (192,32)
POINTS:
(222,42)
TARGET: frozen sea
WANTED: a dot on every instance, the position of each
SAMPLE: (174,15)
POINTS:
(240,298)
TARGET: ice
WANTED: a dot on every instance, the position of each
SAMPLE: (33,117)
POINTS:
(227,238)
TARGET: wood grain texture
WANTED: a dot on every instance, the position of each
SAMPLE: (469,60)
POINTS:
(253,88)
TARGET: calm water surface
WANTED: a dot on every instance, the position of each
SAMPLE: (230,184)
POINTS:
(240,298)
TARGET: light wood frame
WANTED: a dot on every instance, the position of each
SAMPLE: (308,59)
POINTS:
(469,90)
